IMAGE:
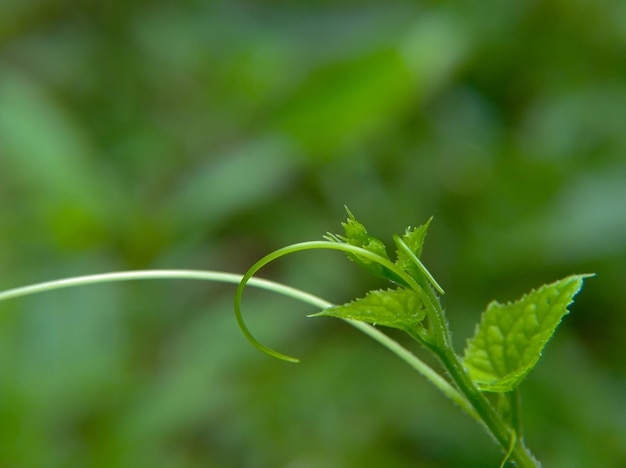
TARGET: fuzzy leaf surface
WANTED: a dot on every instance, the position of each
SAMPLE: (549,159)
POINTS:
(357,235)
(510,337)
(397,308)
(414,239)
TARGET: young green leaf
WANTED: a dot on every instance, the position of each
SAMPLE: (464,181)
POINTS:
(414,239)
(510,337)
(408,252)
(415,268)
(397,308)
(357,235)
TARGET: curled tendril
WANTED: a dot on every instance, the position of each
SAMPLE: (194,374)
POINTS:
(297,248)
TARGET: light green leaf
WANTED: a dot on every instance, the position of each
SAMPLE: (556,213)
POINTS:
(409,251)
(510,337)
(414,239)
(357,235)
(397,308)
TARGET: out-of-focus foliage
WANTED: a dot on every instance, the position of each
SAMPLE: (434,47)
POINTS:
(203,134)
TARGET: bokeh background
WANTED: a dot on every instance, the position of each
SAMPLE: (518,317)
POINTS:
(205,134)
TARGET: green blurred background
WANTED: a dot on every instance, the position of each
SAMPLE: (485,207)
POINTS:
(200,134)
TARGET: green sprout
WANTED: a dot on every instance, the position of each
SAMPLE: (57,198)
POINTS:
(508,341)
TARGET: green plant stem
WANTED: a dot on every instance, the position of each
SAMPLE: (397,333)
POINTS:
(392,345)
(439,342)
(437,380)
(491,419)
(303,246)
(515,404)
(495,425)
(418,263)
(469,398)
(442,347)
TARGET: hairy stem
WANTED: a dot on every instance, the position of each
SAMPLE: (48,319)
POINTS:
(441,345)
(498,428)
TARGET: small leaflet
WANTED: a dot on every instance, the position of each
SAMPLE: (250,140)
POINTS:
(396,308)
(414,239)
(510,337)
(408,252)
(357,235)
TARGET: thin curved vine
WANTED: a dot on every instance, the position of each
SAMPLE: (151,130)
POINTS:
(272,286)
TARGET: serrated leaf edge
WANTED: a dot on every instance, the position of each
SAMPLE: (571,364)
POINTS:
(512,379)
